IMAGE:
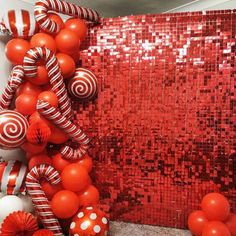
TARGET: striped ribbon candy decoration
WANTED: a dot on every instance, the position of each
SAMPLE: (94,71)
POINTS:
(39,198)
(20,23)
(43,6)
(13,177)
(14,81)
(73,131)
(54,73)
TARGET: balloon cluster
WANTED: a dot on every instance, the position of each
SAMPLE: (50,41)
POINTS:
(214,218)
(55,188)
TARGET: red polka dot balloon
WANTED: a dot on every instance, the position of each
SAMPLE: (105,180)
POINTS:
(13,127)
(89,221)
(83,85)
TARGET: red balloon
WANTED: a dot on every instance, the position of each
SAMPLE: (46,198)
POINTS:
(43,232)
(231,223)
(26,104)
(28,88)
(76,56)
(36,117)
(56,18)
(64,204)
(66,64)
(39,159)
(58,136)
(50,189)
(215,206)
(215,228)
(78,26)
(89,197)
(43,40)
(41,78)
(196,222)
(75,178)
(16,49)
(59,163)
(33,148)
(86,162)
(67,41)
(50,97)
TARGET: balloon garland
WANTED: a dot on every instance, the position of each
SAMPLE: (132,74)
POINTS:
(36,115)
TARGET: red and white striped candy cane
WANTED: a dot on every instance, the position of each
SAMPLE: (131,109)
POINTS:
(42,7)
(54,73)
(74,132)
(14,81)
(39,198)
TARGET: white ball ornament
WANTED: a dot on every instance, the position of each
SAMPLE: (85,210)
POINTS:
(9,204)
(27,203)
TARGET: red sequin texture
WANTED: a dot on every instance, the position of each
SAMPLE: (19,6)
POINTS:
(164,123)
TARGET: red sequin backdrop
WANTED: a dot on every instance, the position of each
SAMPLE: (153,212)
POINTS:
(164,123)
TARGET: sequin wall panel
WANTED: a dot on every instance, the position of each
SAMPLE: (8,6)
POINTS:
(164,122)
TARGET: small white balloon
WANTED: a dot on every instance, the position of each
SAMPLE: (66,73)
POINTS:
(27,203)
(9,204)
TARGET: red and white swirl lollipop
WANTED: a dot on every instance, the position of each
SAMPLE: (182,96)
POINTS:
(39,198)
(58,87)
(19,24)
(14,81)
(83,85)
(42,7)
(13,127)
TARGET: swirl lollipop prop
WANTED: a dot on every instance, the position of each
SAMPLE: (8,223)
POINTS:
(54,73)
(39,199)
(77,135)
(43,6)
(13,84)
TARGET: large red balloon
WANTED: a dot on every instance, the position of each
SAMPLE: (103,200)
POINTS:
(41,78)
(86,162)
(33,148)
(16,49)
(67,41)
(26,104)
(58,136)
(215,206)
(66,64)
(39,159)
(50,189)
(59,163)
(89,197)
(65,204)
(231,223)
(50,97)
(28,88)
(75,178)
(78,26)
(43,40)
(36,117)
(215,228)
(196,222)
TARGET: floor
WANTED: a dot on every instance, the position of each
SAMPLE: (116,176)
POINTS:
(126,229)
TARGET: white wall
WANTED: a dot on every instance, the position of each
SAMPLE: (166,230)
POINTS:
(5,66)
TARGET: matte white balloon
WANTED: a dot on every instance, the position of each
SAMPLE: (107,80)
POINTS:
(27,203)
(9,204)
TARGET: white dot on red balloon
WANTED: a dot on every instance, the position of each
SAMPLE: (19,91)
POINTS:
(93,216)
(72,225)
(104,220)
(97,228)
(89,208)
(80,215)
(84,225)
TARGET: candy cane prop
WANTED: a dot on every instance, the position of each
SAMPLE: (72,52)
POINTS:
(43,6)
(52,114)
(15,80)
(39,199)
(54,73)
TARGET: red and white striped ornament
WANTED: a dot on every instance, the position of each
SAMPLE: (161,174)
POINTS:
(83,85)
(42,7)
(73,131)
(14,81)
(56,80)
(39,199)
(12,181)
(20,23)
(13,127)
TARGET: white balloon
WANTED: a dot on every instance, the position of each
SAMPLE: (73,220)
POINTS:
(9,204)
(27,203)
(1,195)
